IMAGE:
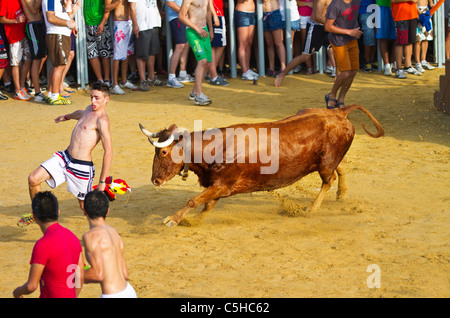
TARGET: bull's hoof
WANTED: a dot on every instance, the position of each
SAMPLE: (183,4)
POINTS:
(169,222)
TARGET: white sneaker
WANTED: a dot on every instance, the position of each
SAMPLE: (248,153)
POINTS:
(419,67)
(247,76)
(297,69)
(202,100)
(387,69)
(128,85)
(427,65)
(117,90)
(40,98)
(174,83)
(333,72)
(255,75)
(412,70)
(328,69)
(400,74)
(186,79)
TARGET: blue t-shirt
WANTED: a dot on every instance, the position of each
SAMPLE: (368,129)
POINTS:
(171,14)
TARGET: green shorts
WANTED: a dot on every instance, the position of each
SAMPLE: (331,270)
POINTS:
(200,46)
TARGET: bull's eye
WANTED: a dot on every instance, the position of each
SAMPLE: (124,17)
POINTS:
(164,152)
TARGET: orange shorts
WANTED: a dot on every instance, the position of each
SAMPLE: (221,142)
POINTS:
(346,56)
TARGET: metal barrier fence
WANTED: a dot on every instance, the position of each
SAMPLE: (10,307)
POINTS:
(82,61)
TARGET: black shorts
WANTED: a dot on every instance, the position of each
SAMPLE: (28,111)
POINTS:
(178,30)
(36,39)
(405,32)
(147,43)
(316,37)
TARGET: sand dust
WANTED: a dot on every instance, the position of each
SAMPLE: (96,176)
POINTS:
(262,244)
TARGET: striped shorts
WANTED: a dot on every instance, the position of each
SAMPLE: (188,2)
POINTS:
(79,174)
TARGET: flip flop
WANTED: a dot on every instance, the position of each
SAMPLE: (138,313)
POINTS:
(327,99)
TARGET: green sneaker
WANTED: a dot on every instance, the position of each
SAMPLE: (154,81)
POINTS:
(60,101)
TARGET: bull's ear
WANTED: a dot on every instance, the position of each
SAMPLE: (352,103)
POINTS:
(172,128)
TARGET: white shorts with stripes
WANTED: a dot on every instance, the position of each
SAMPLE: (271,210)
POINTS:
(79,174)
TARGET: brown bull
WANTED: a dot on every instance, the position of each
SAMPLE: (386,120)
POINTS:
(312,140)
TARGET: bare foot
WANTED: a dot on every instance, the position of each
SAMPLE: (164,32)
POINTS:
(278,80)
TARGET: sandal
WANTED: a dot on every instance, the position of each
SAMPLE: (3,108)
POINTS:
(327,99)
(69,90)
(271,73)
(340,105)
(27,219)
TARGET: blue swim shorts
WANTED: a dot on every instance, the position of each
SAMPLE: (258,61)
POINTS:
(386,29)
(272,21)
(244,19)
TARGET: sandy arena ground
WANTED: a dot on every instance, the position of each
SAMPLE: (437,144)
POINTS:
(256,245)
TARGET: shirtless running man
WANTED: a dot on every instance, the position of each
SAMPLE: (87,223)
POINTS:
(74,165)
(104,251)
(197,16)
(316,38)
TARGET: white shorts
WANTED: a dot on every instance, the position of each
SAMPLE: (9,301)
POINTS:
(79,174)
(128,292)
(303,21)
(19,51)
(123,46)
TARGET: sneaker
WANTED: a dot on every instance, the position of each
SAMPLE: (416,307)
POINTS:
(174,83)
(192,95)
(387,69)
(155,82)
(202,100)
(297,69)
(427,65)
(128,85)
(40,98)
(328,69)
(248,76)
(412,70)
(400,74)
(419,67)
(374,65)
(219,81)
(21,95)
(368,67)
(333,72)
(60,101)
(186,79)
(108,83)
(394,67)
(3,97)
(144,86)
(255,75)
(117,90)
(133,77)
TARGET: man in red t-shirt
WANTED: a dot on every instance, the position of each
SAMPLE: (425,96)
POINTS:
(57,263)
(13,18)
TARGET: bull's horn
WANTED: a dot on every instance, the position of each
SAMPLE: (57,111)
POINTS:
(147,133)
(162,144)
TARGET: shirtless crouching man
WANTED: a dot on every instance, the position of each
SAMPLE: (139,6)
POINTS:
(314,40)
(197,16)
(74,165)
(104,250)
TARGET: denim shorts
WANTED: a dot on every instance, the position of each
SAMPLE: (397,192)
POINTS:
(295,25)
(272,21)
(368,32)
(244,19)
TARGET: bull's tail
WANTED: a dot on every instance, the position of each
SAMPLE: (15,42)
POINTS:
(380,132)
